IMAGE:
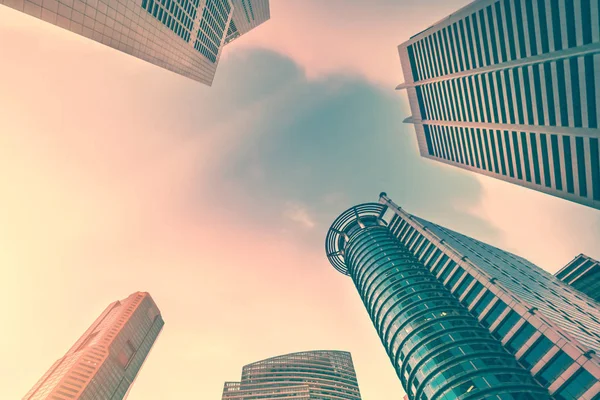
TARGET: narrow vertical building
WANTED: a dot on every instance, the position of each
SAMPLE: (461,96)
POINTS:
(105,361)
(583,273)
(461,319)
(511,89)
(324,374)
(183,36)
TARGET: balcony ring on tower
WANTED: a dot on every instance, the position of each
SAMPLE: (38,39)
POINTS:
(345,226)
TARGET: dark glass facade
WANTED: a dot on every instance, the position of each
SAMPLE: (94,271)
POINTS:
(444,304)
(438,348)
(583,273)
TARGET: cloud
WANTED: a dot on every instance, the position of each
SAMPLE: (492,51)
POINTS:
(298,213)
(345,36)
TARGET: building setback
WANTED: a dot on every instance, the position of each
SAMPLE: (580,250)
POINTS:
(183,36)
(583,273)
(461,319)
(300,376)
(511,89)
(106,359)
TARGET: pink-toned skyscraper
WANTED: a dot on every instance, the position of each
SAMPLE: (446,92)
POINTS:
(104,362)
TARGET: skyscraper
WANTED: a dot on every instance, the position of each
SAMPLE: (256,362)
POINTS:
(247,15)
(510,89)
(184,36)
(583,273)
(301,376)
(105,360)
(461,319)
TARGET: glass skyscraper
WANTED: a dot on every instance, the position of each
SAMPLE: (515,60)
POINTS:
(511,89)
(184,36)
(300,376)
(104,362)
(583,273)
(461,319)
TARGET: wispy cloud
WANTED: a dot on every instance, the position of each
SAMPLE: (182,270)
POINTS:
(299,214)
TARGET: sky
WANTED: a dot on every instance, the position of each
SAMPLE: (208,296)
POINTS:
(118,176)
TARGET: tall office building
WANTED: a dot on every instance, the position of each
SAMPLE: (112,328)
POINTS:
(583,273)
(247,15)
(300,376)
(511,89)
(461,319)
(104,362)
(184,36)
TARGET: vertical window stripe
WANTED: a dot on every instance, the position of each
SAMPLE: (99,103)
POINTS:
(568,163)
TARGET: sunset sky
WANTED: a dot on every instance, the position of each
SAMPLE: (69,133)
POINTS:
(118,176)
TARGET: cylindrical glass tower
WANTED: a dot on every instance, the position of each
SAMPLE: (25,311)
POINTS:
(439,350)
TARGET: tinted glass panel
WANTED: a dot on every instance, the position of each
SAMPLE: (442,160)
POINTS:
(559,363)
(522,336)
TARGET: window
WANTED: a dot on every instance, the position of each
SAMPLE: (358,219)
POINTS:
(536,352)
(483,303)
(517,153)
(473,293)
(535,158)
(595,167)
(447,271)
(581,166)
(126,353)
(556,160)
(457,275)
(559,363)
(440,264)
(505,326)
(522,336)
(577,385)
(556,25)
(525,156)
(463,285)
(590,91)
(568,163)
(494,313)
(545,160)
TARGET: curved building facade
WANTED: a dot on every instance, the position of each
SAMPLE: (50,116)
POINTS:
(327,375)
(437,347)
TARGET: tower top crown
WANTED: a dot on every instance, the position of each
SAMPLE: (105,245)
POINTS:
(344,226)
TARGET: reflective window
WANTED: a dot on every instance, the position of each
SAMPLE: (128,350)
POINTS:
(559,363)
(457,275)
(473,293)
(537,351)
(522,336)
(494,313)
(577,385)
